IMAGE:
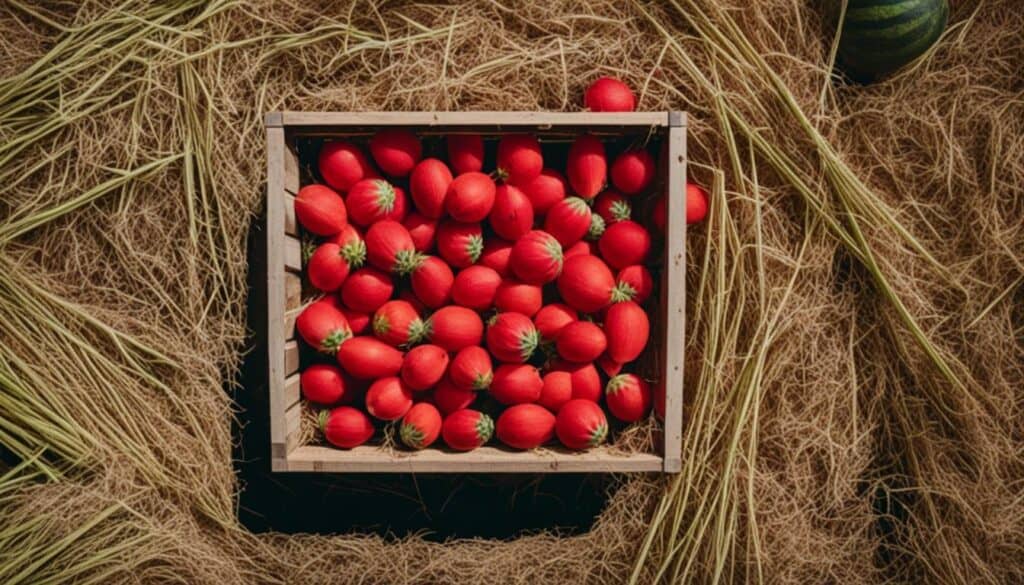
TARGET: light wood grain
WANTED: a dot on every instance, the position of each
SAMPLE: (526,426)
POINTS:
(292,420)
(487,459)
(540,119)
(289,323)
(276,353)
(292,390)
(290,226)
(291,364)
(292,252)
(675,308)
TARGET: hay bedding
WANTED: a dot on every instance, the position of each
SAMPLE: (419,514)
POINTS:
(823,443)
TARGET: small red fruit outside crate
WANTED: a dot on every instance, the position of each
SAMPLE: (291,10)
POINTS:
(283,290)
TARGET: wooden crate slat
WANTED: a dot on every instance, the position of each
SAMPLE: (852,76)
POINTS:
(292,291)
(291,360)
(276,353)
(292,390)
(289,323)
(474,119)
(292,253)
(293,418)
(675,307)
(291,227)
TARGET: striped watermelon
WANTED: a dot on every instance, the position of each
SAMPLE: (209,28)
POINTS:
(880,36)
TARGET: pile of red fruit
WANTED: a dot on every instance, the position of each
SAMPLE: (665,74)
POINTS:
(444,284)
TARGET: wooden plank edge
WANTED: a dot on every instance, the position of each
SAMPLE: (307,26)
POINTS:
(273,120)
(474,118)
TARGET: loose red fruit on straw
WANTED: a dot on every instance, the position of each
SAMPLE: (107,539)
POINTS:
(428,187)
(367,358)
(519,159)
(568,221)
(550,320)
(586,381)
(496,255)
(366,289)
(450,398)
(625,243)
(581,341)
(581,424)
(424,366)
(475,287)
(460,244)
(547,189)
(633,171)
(587,167)
(395,321)
(696,203)
(586,284)
(320,210)
(396,151)
(628,397)
(557,390)
(470,197)
(536,257)
(608,94)
(388,398)
(328,267)
(323,326)
(342,164)
(635,282)
(465,430)
(345,427)
(466,153)
(514,296)
(432,282)
(325,384)
(471,369)
(580,248)
(389,247)
(628,328)
(612,207)
(516,384)
(525,426)
(512,337)
(512,214)
(372,200)
(423,231)
(421,426)
(453,328)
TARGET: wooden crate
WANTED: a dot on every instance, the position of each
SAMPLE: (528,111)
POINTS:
(286,130)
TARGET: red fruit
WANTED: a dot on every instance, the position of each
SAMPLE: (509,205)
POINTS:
(612,207)
(449,398)
(389,247)
(396,151)
(550,320)
(633,171)
(557,390)
(328,267)
(342,164)
(358,321)
(581,424)
(410,297)
(420,426)
(460,244)
(471,369)
(525,426)
(519,158)
(660,214)
(696,203)
(496,255)
(424,366)
(625,243)
(388,399)
(586,284)
(514,296)
(465,430)
(512,214)
(372,200)
(516,384)
(325,384)
(366,289)
(475,287)
(512,337)
(345,427)
(635,282)
(320,210)
(587,167)
(609,366)
(466,152)
(395,322)
(422,230)
(581,341)
(547,189)
(536,257)
(628,328)
(428,186)
(586,382)
(367,358)
(351,243)
(608,94)
(432,281)
(568,221)
(323,326)
(470,197)
(453,328)
(580,248)
(628,397)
